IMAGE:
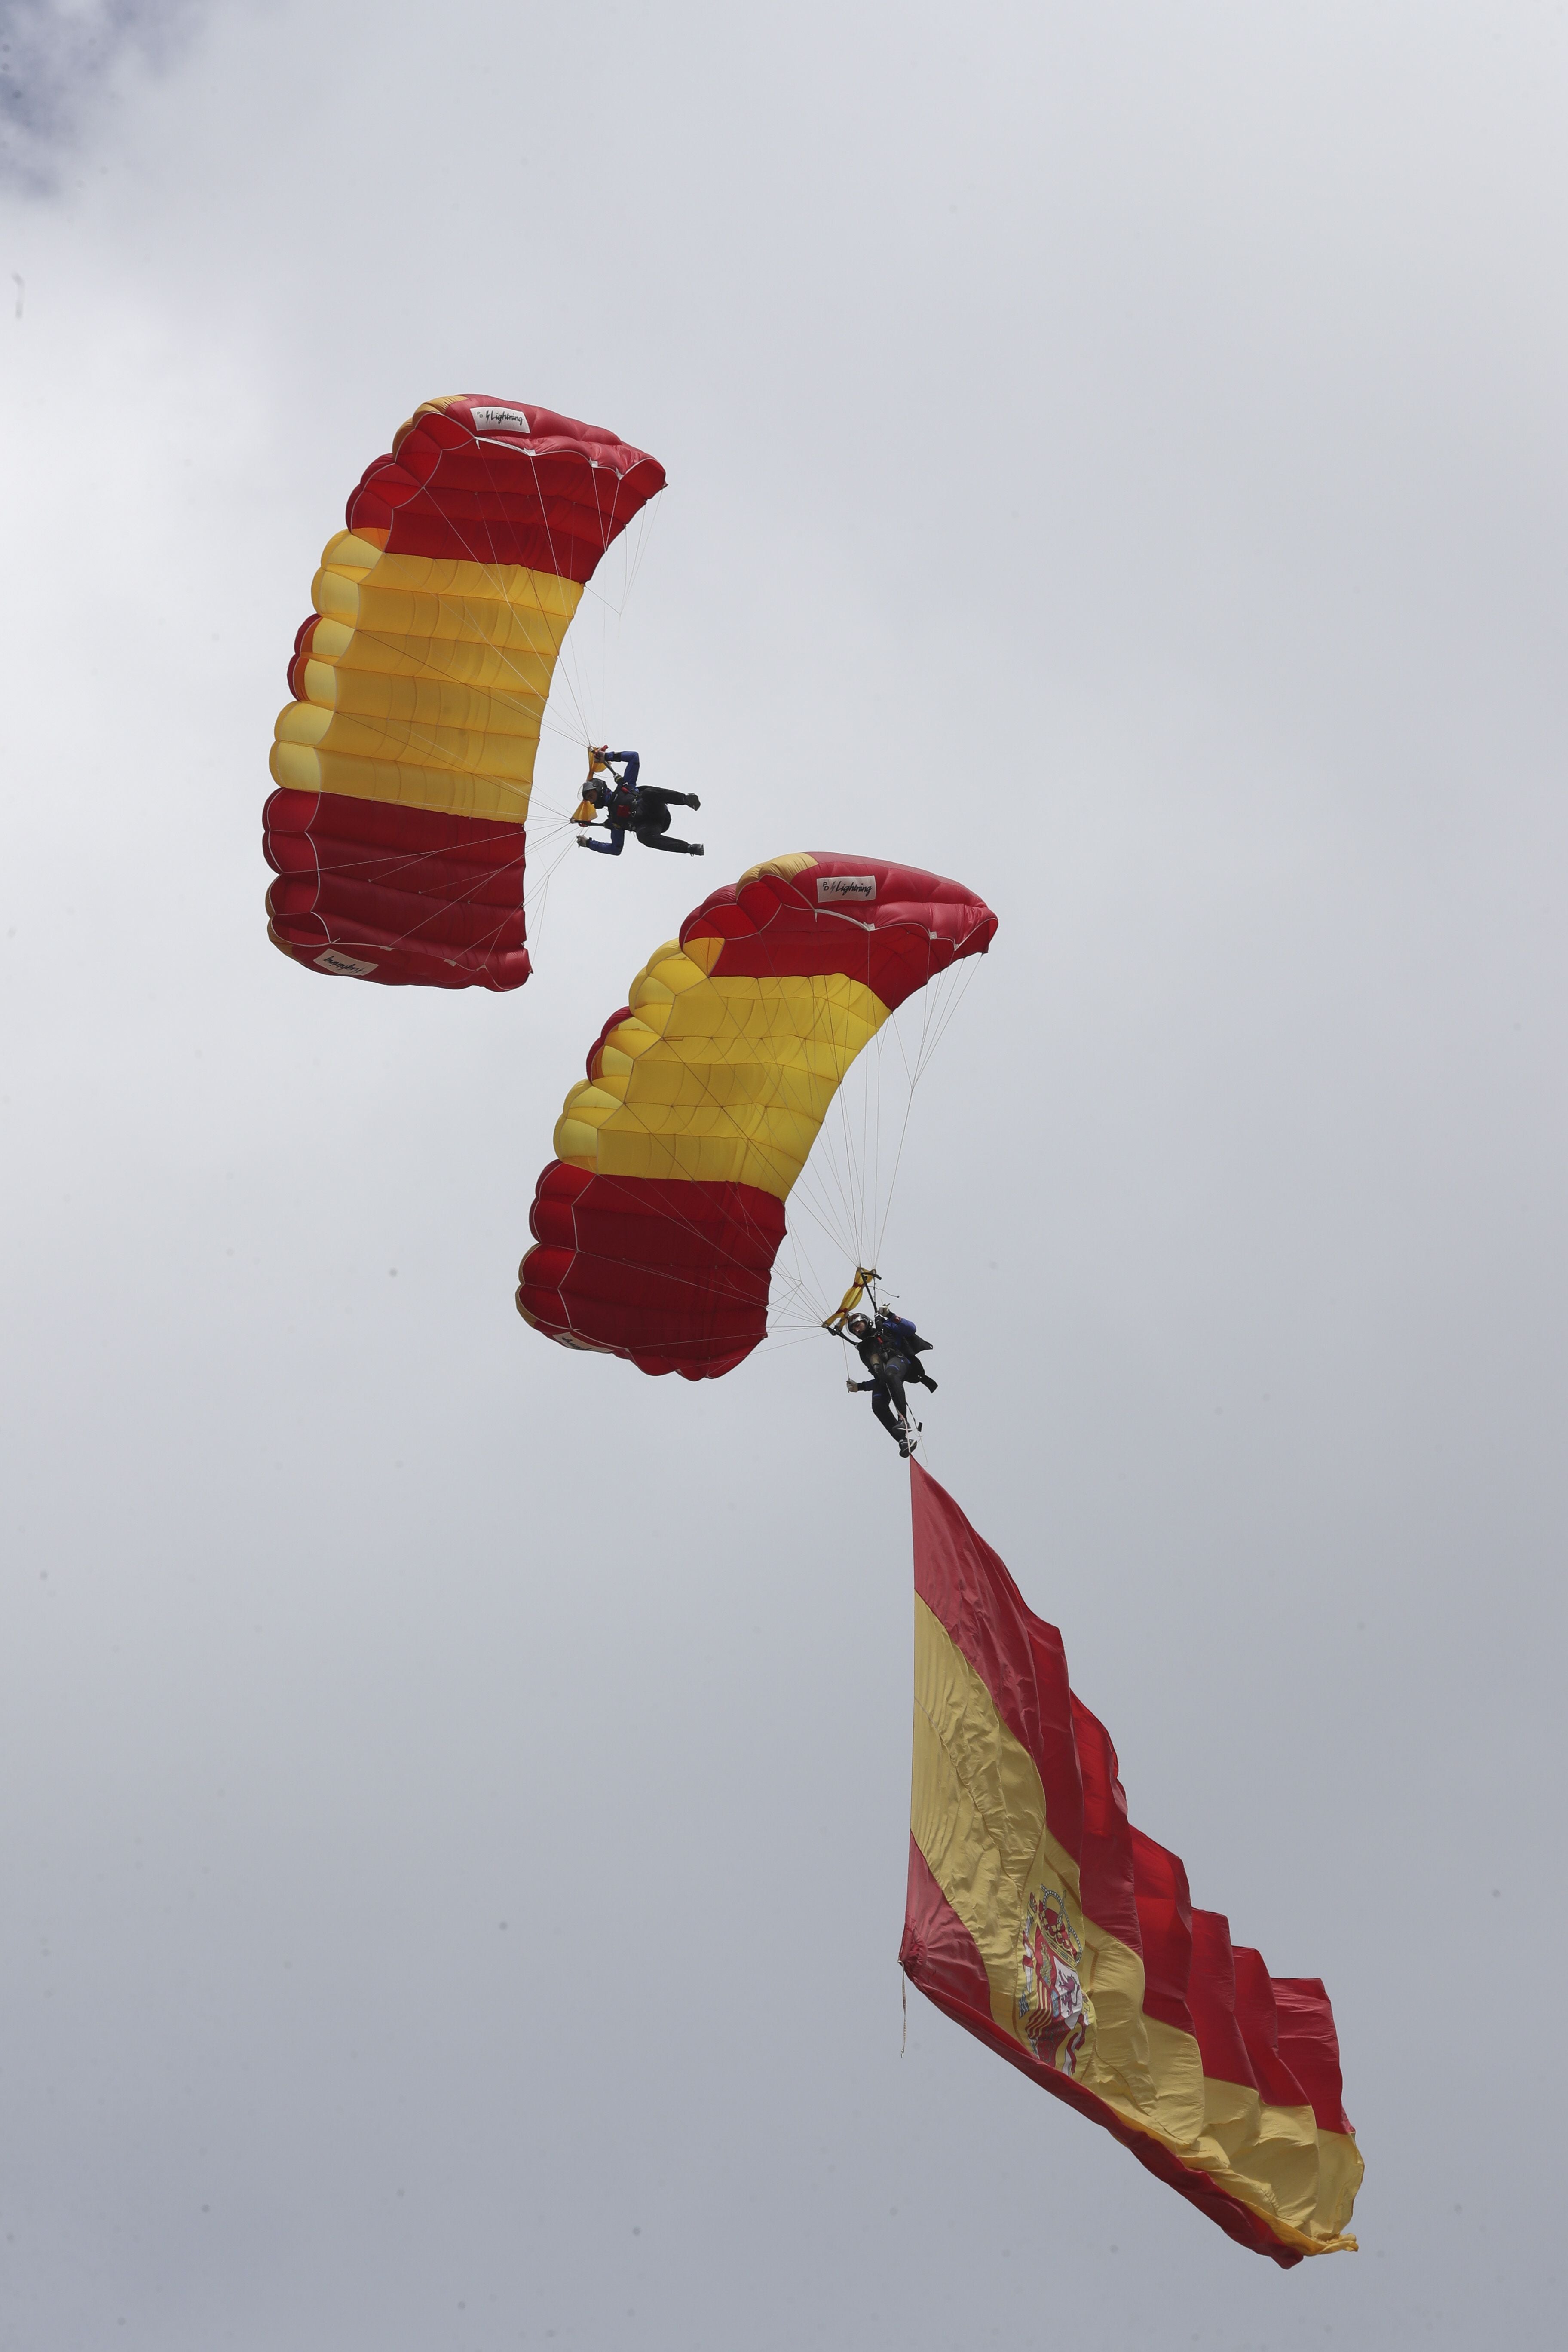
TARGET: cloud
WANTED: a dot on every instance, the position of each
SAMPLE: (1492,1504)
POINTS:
(57,59)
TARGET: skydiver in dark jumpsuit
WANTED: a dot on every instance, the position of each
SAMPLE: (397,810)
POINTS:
(631,807)
(890,1349)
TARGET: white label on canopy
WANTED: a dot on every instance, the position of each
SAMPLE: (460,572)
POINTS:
(334,959)
(501,420)
(830,887)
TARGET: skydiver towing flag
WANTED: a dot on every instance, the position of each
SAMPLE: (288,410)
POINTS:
(405,762)
(1064,1939)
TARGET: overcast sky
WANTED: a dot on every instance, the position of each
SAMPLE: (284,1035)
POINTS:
(453,1793)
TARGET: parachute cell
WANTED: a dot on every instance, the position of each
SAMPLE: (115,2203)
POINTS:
(405,762)
(658,1219)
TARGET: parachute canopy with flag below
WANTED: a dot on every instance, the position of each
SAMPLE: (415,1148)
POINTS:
(657,1223)
(405,759)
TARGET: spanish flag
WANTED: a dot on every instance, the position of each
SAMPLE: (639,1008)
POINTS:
(1066,1940)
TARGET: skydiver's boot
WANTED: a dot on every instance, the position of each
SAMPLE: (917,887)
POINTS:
(694,849)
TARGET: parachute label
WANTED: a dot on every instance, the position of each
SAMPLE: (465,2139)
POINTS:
(831,886)
(334,959)
(500,420)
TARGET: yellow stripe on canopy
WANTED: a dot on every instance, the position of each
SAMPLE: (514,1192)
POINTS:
(425,681)
(717,1080)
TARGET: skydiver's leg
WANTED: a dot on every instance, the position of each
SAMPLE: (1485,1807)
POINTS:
(611,849)
(667,799)
(883,1406)
(668,841)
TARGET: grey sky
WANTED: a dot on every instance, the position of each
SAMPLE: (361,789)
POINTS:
(1115,458)
(60,62)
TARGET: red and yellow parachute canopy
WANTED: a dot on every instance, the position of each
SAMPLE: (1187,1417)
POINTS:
(658,1221)
(405,759)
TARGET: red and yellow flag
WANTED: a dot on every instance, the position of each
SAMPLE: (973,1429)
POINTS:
(1066,1940)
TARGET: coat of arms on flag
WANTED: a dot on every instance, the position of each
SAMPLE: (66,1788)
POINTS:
(1054,2015)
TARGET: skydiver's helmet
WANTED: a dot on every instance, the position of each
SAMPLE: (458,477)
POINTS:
(860,1326)
(600,794)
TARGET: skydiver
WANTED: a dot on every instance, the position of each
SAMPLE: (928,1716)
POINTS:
(630,807)
(890,1349)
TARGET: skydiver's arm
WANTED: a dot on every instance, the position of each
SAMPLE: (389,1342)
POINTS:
(859,1388)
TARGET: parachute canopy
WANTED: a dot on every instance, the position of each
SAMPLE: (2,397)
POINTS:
(658,1219)
(405,759)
